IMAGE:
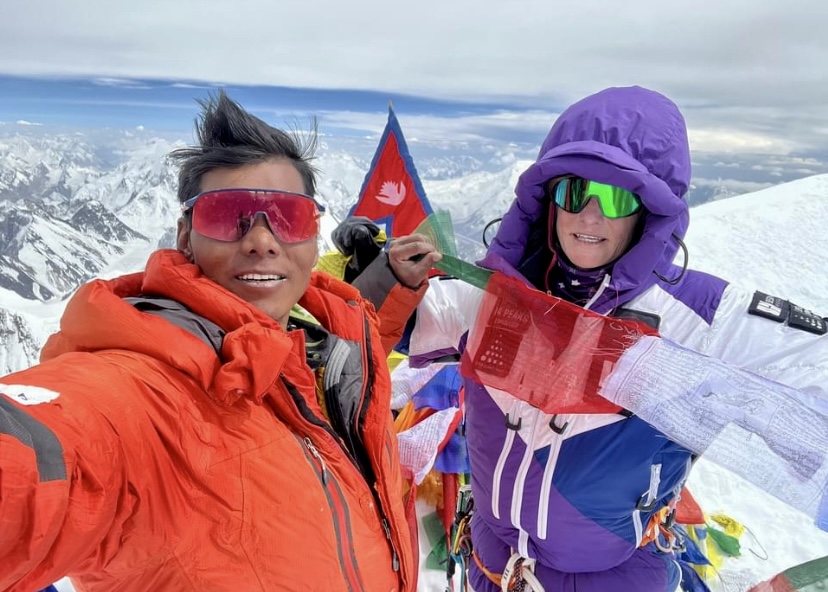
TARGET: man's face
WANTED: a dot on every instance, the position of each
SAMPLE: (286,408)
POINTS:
(259,268)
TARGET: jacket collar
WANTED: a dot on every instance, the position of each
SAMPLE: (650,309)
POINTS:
(97,318)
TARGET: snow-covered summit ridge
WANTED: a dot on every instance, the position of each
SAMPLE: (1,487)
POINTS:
(774,240)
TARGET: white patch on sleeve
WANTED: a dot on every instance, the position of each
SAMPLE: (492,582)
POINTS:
(28,395)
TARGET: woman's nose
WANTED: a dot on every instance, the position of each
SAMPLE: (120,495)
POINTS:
(592,209)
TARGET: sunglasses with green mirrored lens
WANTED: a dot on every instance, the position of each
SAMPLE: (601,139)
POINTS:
(573,193)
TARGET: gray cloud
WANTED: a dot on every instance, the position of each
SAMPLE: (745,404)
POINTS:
(749,76)
(475,127)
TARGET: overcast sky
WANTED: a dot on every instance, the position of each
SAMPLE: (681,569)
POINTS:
(751,76)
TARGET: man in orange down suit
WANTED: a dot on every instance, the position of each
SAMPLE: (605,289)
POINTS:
(219,421)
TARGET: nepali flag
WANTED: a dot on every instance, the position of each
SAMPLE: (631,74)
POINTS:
(392,194)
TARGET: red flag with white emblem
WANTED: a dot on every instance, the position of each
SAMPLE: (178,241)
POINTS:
(392,194)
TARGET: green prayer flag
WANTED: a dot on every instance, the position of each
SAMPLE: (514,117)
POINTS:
(729,545)
(467,272)
(438,557)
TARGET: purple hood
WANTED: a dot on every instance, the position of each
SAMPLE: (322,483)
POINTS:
(629,137)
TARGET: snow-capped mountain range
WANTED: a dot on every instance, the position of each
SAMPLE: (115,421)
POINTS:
(74,207)
(35,165)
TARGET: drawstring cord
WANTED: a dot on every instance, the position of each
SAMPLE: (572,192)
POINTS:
(676,280)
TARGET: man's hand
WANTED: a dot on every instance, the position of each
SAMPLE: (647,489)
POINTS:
(356,237)
(411,257)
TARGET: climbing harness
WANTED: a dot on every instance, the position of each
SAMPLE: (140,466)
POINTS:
(460,545)
(517,576)
(662,531)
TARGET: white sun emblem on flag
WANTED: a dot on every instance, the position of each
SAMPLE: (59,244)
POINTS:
(391,193)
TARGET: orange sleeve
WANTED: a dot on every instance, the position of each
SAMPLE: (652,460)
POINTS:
(63,486)
(394,302)
(395,311)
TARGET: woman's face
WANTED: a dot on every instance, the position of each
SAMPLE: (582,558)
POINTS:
(589,239)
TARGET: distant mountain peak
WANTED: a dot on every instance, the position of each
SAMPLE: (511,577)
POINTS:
(95,219)
(21,345)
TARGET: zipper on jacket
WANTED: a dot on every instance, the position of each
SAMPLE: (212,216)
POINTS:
(395,560)
(339,510)
(315,453)
(351,435)
(306,415)
(359,424)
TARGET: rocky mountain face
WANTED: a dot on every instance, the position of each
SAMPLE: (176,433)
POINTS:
(69,209)
(19,342)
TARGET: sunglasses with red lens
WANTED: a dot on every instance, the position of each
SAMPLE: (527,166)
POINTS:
(229,214)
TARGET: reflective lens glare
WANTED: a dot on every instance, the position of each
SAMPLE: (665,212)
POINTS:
(228,214)
(573,193)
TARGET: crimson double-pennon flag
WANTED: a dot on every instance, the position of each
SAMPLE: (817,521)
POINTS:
(392,194)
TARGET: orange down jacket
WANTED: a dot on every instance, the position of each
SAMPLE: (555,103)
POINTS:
(137,458)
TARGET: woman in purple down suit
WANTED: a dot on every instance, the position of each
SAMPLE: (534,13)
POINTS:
(563,502)
(596,221)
